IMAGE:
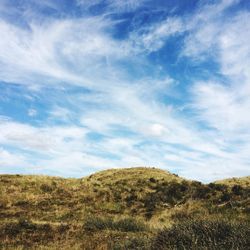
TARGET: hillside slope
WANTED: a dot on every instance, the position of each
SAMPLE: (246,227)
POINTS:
(243,181)
(40,210)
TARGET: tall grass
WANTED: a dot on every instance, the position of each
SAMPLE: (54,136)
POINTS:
(128,224)
(204,234)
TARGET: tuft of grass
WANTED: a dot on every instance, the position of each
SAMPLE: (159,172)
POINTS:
(127,224)
(93,223)
(204,234)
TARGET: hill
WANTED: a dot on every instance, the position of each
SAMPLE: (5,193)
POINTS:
(112,209)
(243,181)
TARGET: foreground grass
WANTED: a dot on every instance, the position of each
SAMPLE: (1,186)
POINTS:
(204,234)
(121,209)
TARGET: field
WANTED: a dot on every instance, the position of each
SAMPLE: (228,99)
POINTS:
(134,208)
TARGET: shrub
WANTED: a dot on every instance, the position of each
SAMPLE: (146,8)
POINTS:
(46,188)
(148,214)
(150,201)
(225,197)
(93,223)
(125,225)
(153,180)
(199,234)
(130,199)
(237,190)
(63,228)
(181,215)
(22,203)
(139,243)
(26,224)
(174,192)
(128,225)
(117,196)
(219,187)
(23,225)
(3,203)
(202,192)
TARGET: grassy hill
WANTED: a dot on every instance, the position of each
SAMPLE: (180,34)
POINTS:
(117,209)
(243,181)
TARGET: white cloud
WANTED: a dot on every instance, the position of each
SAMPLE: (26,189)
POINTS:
(225,105)
(47,140)
(8,159)
(58,50)
(113,5)
(204,28)
(32,112)
(222,107)
(235,49)
(60,113)
(152,38)
(157,129)
(123,6)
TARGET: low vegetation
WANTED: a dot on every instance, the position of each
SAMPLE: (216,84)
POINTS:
(124,225)
(204,234)
(135,208)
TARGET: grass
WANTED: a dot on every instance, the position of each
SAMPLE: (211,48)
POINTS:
(204,234)
(112,209)
(126,224)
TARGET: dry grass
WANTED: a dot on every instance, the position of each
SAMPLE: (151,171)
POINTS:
(243,181)
(41,212)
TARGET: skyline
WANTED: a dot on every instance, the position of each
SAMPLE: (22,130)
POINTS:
(90,85)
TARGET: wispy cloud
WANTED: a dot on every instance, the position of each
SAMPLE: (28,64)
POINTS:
(115,6)
(98,99)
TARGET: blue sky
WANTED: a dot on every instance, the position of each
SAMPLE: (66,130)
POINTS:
(87,85)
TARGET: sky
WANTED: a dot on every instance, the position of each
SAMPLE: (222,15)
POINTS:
(87,85)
